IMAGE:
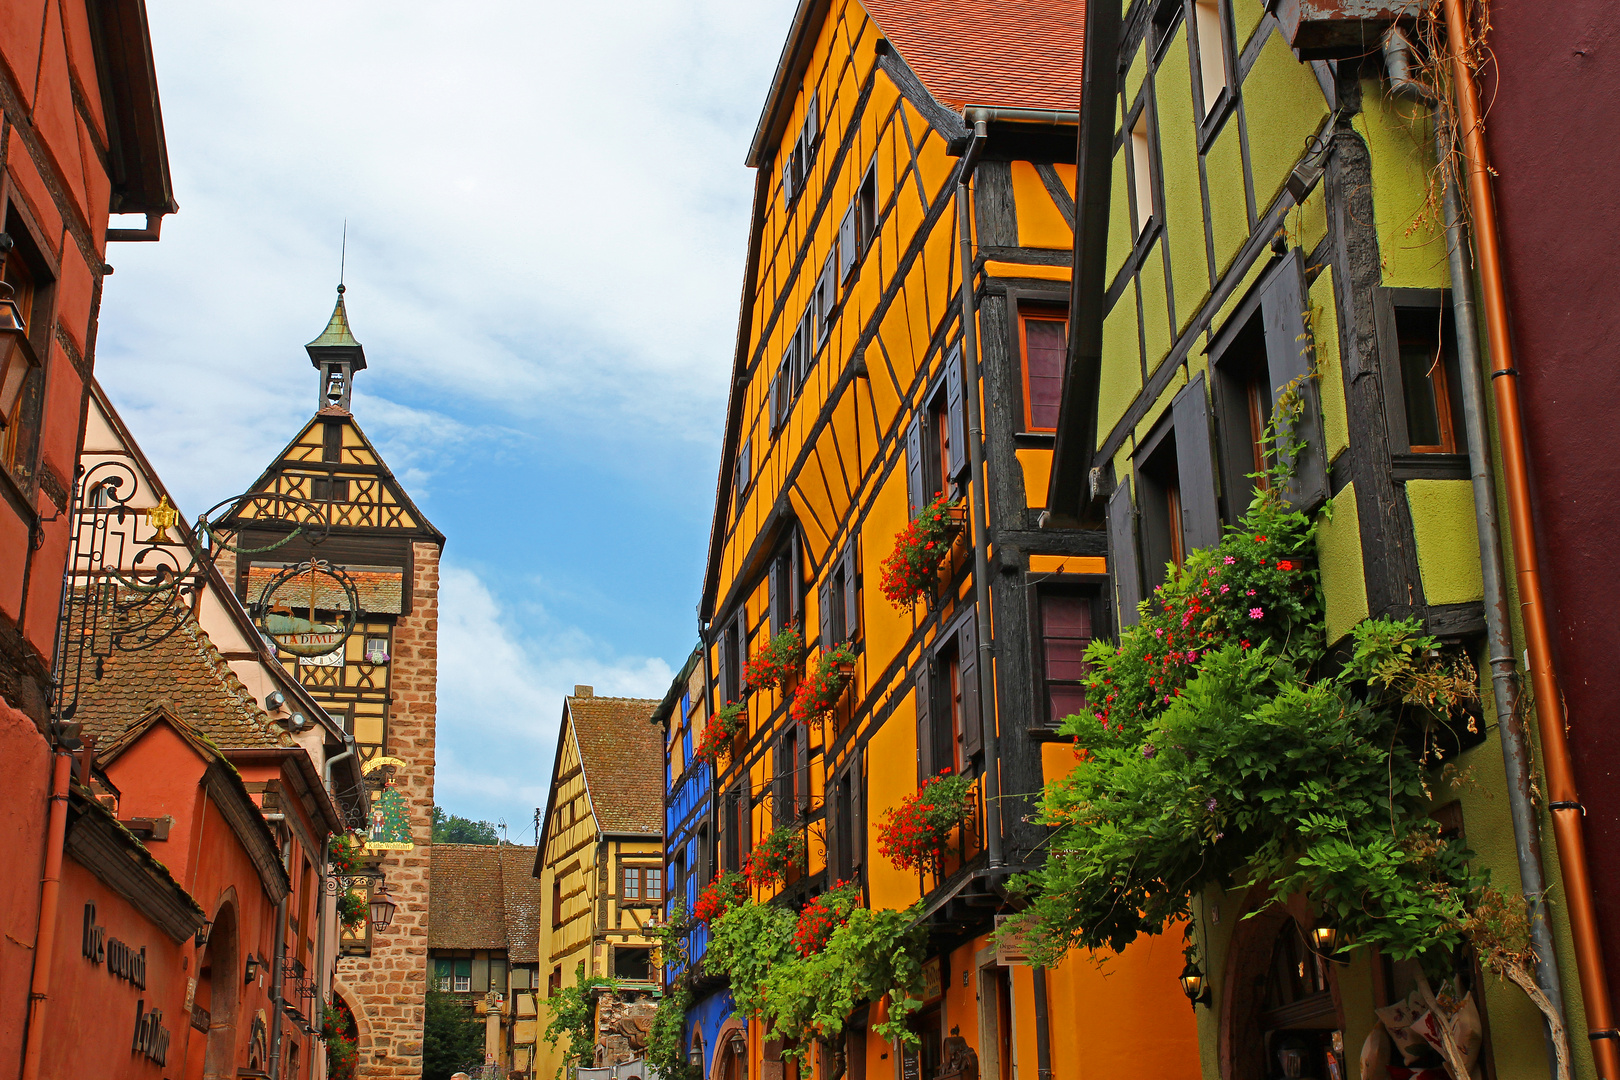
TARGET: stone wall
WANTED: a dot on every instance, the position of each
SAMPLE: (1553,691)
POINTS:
(390,985)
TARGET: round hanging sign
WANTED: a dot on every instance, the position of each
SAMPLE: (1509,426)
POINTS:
(287,608)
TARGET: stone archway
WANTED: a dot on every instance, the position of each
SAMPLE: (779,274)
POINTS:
(219,985)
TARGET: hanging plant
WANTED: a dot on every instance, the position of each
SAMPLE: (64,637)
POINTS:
(817,694)
(915,834)
(346,853)
(912,568)
(721,895)
(824,914)
(353,910)
(776,853)
(771,666)
(724,726)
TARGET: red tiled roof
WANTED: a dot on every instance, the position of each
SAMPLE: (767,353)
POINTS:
(381,591)
(481,896)
(1009,54)
(524,903)
(622,754)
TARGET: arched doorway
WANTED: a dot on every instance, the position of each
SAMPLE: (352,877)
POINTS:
(730,1061)
(342,1040)
(1279,1009)
(211,1039)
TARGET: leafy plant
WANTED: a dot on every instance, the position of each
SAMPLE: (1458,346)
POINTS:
(818,694)
(342,1052)
(346,854)
(573,1011)
(353,910)
(455,829)
(913,835)
(779,658)
(1216,749)
(666,1042)
(912,568)
(720,895)
(824,914)
(779,851)
(452,1036)
(724,726)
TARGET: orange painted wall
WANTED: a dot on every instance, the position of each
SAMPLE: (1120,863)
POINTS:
(22,823)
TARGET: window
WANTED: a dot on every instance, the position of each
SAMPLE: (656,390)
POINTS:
(1430,381)
(30,291)
(462,982)
(788,791)
(745,466)
(554,982)
(556,903)
(1175,487)
(442,971)
(633,963)
(826,298)
(1043,341)
(866,209)
(1141,150)
(733,649)
(843,827)
(1207,25)
(630,883)
(948,734)
(332,441)
(839,599)
(376,650)
(936,441)
(1065,633)
(796,166)
(328,489)
(784,587)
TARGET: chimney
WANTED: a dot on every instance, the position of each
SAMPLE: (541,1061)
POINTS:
(583,691)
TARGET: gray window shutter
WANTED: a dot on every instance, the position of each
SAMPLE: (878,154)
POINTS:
(827,285)
(745,821)
(801,767)
(1122,560)
(741,644)
(773,592)
(723,691)
(831,821)
(852,593)
(781,783)
(824,603)
(925,726)
(846,243)
(857,810)
(967,652)
(787,178)
(795,582)
(1195,467)
(916,497)
(953,413)
(1289,355)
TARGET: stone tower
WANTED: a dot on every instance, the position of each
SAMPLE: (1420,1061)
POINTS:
(332,493)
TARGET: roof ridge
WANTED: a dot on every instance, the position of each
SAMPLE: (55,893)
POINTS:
(250,710)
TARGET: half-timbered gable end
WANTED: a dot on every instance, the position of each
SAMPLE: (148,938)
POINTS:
(856,400)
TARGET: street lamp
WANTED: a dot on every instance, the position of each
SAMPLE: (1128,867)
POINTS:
(16,358)
(382,907)
(1326,939)
(1193,985)
(251,971)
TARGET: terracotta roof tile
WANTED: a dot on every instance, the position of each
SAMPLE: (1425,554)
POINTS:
(622,754)
(1010,54)
(381,591)
(184,673)
(482,896)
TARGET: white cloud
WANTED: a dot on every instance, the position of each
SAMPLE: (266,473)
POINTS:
(500,698)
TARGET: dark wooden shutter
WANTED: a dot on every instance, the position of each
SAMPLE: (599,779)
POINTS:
(795,582)
(781,782)
(730,848)
(824,604)
(852,593)
(957,437)
(967,651)
(775,602)
(742,645)
(723,691)
(1195,467)
(925,726)
(837,817)
(787,177)
(1290,354)
(801,769)
(776,400)
(916,497)
(857,811)
(1122,562)
(847,242)
(745,818)
(812,121)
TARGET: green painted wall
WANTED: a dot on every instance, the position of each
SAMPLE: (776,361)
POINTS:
(1228,206)
(1183,194)
(1329,370)
(1286,109)
(1155,307)
(1119,220)
(1411,239)
(1447,540)
(1121,376)
(1338,553)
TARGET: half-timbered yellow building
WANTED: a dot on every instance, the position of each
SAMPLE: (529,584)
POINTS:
(907,147)
(601,856)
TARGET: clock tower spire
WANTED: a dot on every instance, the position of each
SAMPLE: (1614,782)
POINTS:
(337,356)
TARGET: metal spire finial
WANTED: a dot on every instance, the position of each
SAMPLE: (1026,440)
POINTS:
(343,255)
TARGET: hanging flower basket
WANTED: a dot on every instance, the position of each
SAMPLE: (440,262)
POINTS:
(783,849)
(915,834)
(912,568)
(780,658)
(824,914)
(352,910)
(720,896)
(345,855)
(820,691)
(729,721)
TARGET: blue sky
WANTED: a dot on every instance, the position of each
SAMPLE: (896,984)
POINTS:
(547,220)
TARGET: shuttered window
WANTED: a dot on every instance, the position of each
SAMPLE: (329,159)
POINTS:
(847,243)
(1291,358)
(1122,555)
(1043,340)
(1065,633)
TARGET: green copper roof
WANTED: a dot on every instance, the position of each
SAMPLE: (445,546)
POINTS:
(337,341)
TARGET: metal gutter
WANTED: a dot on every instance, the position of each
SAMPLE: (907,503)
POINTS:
(975,114)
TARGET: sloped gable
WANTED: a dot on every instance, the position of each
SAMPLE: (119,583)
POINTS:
(622,756)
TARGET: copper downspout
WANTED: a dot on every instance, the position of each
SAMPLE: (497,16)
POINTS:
(49,894)
(1563,799)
